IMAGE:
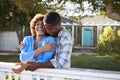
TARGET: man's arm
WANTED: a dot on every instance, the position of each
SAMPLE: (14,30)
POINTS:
(33,65)
(47,47)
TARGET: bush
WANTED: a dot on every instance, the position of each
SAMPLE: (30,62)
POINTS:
(109,41)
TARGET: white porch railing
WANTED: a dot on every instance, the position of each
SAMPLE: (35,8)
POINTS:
(57,74)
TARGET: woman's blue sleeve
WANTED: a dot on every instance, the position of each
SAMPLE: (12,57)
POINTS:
(48,55)
(26,54)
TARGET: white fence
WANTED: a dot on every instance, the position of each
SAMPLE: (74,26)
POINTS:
(56,74)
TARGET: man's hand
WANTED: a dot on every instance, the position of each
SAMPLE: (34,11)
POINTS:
(32,66)
(35,65)
(45,48)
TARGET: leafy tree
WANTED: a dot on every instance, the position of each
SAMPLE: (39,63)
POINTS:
(11,17)
(31,6)
(111,7)
(16,14)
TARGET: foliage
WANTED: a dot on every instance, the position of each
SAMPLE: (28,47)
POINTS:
(12,18)
(31,6)
(108,41)
(100,62)
(111,7)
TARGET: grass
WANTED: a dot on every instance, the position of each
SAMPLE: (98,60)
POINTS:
(100,62)
(9,58)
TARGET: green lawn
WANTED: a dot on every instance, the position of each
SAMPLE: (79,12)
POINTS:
(9,58)
(100,62)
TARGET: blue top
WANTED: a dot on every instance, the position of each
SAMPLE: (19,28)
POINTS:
(27,53)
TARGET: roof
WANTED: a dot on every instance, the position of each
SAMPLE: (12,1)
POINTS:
(66,21)
(99,20)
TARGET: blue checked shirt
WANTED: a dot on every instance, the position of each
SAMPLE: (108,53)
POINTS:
(63,50)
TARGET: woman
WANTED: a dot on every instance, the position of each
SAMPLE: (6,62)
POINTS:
(33,45)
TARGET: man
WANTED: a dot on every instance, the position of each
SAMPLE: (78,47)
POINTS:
(52,24)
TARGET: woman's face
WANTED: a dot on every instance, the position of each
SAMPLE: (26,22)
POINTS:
(39,30)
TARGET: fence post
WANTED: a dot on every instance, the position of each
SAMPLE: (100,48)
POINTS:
(2,75)
(26,77)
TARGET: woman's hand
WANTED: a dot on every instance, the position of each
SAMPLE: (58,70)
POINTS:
(19,67)
(21,46)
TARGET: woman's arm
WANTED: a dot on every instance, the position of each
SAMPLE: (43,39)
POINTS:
(46,48)
(27,53)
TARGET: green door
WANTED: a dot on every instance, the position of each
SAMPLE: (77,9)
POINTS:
(87,36)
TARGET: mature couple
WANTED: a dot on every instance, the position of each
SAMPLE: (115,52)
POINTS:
(50,45)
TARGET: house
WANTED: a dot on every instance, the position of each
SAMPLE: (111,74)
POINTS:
(92,27)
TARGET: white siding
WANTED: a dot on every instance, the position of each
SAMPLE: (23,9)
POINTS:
(8,41)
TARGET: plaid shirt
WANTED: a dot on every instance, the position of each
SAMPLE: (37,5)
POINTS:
(63,50)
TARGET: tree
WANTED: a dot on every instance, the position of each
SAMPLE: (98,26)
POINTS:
(31,6)
(16,14)
(11,17)
(111,7)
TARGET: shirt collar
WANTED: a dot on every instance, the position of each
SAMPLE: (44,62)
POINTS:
(61,32)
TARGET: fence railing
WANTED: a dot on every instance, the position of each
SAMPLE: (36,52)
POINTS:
(56,74)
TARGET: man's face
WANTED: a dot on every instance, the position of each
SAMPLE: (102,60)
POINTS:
(52,29)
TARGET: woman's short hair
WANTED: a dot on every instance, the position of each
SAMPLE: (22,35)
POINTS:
(37,17)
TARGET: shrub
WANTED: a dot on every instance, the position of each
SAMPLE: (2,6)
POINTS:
(109,41)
